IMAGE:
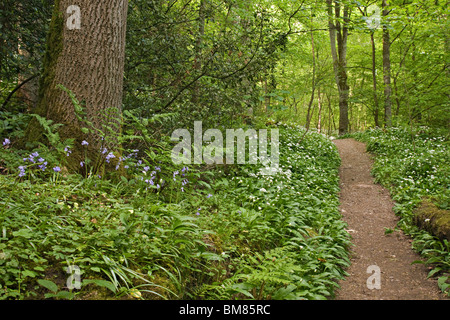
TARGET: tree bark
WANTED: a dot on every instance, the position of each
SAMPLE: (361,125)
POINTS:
(85,53)
(313,84)
(387,69)
(374,82)
(340,58)
(198,48)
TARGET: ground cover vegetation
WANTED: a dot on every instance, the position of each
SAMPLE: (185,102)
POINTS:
(90,193)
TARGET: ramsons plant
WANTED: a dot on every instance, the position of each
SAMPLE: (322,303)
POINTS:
(159,231)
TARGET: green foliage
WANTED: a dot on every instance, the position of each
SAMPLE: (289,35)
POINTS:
(191,234)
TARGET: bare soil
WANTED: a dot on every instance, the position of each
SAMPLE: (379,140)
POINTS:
(367,209)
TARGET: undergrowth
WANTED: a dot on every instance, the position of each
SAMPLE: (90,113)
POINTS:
(161,231)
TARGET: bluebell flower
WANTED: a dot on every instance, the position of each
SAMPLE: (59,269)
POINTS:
(209,196)
(43,166)
(81,164)
(84,143)
(110,156)
(6,142)
(41,159)
(57,169)
(22,171)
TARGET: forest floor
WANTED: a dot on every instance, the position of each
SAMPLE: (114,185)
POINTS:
(367,209)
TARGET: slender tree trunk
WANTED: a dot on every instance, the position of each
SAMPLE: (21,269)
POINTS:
(319,116)
(85,54)
(313,81)
(340,58)
(198,48)
(374,82)
(387,69)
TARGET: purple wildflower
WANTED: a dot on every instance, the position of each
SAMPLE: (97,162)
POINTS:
(43,166)
(110,156)
(57,169)
(81,164)
(6,142)
(22,171)
(84,143)
(209,196)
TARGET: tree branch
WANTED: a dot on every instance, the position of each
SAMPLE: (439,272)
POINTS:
(17,88)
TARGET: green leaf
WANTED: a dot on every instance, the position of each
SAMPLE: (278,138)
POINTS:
(23,233)
(442,283)
(29,273)
(65,295)
(242,288)
(102,283)
(50,285)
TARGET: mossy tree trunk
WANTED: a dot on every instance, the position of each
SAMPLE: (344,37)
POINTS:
(85,54)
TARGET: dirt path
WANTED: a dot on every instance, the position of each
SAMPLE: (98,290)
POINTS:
(367,209)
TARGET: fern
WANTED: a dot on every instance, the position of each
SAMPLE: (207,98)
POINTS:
(50,130)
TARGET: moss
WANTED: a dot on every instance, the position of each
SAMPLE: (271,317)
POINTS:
(433,219)
(54,47)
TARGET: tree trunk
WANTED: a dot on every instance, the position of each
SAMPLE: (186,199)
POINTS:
(85,53)
(319,116)
(340,58)
(387,69)
(374,82)
(313,81)
(198,48)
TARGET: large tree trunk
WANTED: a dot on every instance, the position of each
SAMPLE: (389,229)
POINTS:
(340,58)
(387,69)
(85,54)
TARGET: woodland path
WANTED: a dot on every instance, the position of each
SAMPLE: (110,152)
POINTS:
(367,209)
